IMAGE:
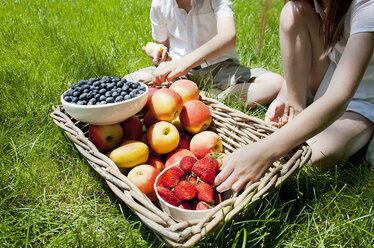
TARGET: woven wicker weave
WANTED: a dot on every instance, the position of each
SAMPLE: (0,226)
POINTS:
(235,128)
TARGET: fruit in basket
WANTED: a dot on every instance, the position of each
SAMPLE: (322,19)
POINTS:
(151,91)
(204,192)
(204,142)
(206,169)
(195,116)
(176,156)
(166,104)
(170,179)
(187,163)
(162,137)
(106,137)
(144,176)
(168,195)
(156,162)
(187,89)
(177,123)
(95,91)
(149,119)
(132,128)
(185,205)
(185,191)
(200,205)
(129,154)
(184,140)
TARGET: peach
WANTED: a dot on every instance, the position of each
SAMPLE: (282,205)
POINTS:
(130,154)
(166,104)
(177,123)
(187,89)
(144,177)
(184,140)
(176,156)
(151,91)
(205,142)
(162,137)
(149,119)
(106,137)
(195,116)
(132,128)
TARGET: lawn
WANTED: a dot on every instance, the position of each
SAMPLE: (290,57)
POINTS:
(51,197)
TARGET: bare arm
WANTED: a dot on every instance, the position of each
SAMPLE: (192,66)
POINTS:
(222,42)
(250,162)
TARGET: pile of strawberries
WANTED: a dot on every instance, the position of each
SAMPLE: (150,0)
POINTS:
(188,185)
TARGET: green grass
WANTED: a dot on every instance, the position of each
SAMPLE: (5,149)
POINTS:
(50,196)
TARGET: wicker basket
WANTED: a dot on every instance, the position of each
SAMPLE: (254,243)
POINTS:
(235,128)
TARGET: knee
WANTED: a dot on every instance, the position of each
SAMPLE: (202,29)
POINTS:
(295,14)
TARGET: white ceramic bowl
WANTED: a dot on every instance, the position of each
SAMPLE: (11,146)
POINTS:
(178,213)
(106,114)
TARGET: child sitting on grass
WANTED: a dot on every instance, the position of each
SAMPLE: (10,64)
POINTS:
(198,42)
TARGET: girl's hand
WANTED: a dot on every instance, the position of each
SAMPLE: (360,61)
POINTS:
(157,53)
(277,113)
(243,167)
(169,70)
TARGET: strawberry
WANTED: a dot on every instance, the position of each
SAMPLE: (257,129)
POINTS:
(200,205)
(217,197)
(170,179)
(180,172)
(192,180)
(186,163)
(206,169)
(185,191)
(184,205)
(204,192)
(168,195)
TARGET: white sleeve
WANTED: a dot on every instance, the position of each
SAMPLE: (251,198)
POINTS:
(159,26)
(222,8)
(362,19)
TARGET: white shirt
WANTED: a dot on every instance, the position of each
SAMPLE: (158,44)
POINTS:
(359,18)
(188,31)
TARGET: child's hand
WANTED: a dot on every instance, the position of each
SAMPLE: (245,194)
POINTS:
(280,113)
(157,53)
(243,167)
(169,70)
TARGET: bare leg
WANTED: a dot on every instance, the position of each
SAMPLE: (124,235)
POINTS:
(342,139)
(301,49)
(262,90)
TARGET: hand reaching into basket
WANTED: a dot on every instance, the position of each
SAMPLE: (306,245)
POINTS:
(169,70)
(243,167)
(280,112)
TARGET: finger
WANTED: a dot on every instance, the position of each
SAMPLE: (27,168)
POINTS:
(238,185)
(227,184)
(222,175)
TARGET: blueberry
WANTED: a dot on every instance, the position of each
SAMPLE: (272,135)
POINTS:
(95,92)
(97,87)
(83,96)
(69,93)
(102,98)
(119,99)
(110,99)
(116,79)
(78,88)
(67,98)
(119,84)
(92,101)
(124,80)
(86,86)
(97,97)
(102,91)
(110,86)
(73,86)
(103,85)
(90,95)
(142,87)
(132,94)
(123,93)
(86,90)
(97,83)
(80,103)
(140,92)
(106,79)
(76,93)
(127,97)
(103,102)
(108,94)
(74,99)
(115,94)
(83,82)
(125,87)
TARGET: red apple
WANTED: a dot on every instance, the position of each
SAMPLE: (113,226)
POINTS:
(149,119)
(144,177)
(176,156)
(162,137)
(184,140)
(166,104)
(156,162)
(106,137)
(187,89)
(195,116)
(151,91)
(132,128)
(205,142)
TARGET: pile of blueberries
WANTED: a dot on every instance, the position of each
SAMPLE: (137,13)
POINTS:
(106,90)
